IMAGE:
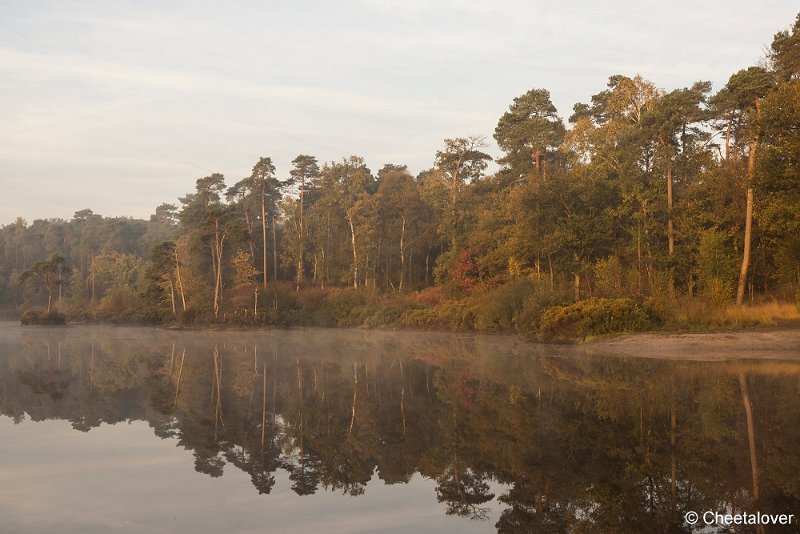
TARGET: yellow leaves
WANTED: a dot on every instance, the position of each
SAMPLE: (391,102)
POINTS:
(632,96)
(514,268)
(578,141)
(244,270)
(517,270)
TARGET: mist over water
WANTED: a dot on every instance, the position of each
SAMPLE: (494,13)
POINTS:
(148,430)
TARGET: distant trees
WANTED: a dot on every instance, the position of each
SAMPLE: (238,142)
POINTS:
(644,185)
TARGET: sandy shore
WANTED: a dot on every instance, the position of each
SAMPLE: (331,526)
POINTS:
(774,344)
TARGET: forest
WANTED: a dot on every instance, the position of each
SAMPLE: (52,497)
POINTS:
(647,208)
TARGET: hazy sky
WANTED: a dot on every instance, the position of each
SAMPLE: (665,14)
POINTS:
(120,106)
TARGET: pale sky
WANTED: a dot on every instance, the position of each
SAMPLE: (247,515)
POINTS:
(120,106)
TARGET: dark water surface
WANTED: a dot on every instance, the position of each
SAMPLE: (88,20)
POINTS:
(145,430)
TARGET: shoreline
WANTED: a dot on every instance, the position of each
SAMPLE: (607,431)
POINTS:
(780,342)
(767,342)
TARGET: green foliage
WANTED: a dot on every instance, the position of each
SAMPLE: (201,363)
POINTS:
(338,307)
(346,306)
(609,277)
(716,267)
(119,302)
(450,315)
(529,129)
(784,52)
(592,317)
(527,318)
(50,275)
(495,310)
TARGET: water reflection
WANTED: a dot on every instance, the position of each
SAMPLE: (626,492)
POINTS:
(563,442)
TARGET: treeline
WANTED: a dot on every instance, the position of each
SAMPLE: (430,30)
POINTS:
(657,201)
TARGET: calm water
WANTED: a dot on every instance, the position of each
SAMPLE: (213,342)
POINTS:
(144,430)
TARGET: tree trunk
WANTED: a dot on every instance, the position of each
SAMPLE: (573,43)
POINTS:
(172,297)
(639,255)
(748,218)
(748,232)
(301,244)
(217,252)
(355,255)
(249,224)
(577,278)
(178,381)
(178,278)
(751,436)
(453,202)
(402,397)
(274,250)
(402,252)
(355,397)
(264,234)
(670,229)
(728,141)
(264,407)
(577,286)
(673,438)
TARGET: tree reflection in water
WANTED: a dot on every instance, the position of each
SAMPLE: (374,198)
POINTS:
(573,443)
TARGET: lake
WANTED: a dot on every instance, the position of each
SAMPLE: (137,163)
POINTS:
(146,430)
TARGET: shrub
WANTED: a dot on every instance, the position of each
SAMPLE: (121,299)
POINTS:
(430,296)
(592,317)
(36,317)
(454,315)
(118,301)
(495,309)
(526,320)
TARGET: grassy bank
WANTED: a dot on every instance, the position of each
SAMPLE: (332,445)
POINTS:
(520,306)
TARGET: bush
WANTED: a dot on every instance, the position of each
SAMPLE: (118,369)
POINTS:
(526,320)
(453,315)
(118,302)
(592,317)
(36,317)
(495,309)
(346,306)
